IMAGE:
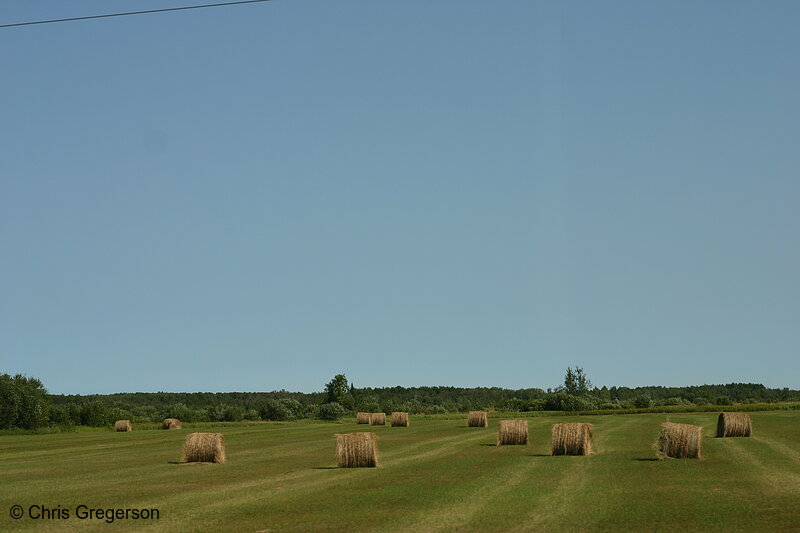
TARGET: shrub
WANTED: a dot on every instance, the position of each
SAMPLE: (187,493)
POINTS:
(94,414)
(369,406)
(434,409)
(724,400)
(514,404)
(285,409)
(331,411)
(642,402)
(562,401)
(233,413)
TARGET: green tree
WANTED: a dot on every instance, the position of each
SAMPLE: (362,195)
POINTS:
(576,381)
(338,391)
(23,402)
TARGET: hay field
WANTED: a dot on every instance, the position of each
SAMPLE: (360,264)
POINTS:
(437,475)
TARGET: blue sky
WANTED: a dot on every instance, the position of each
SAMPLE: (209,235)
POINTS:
(413,193)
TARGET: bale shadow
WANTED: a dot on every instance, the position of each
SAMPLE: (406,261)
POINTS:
(325,468)
(539,455)
(647,459)
(175,462)
(487,444)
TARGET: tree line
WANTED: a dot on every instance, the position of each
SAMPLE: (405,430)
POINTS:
(25,403)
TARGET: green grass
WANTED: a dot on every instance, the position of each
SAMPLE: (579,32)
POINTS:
(436,475)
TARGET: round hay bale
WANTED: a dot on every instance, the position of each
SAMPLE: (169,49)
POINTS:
(513,432)
(400,419)
(204,448)
(172,423)
(571,438)
(357,450)
(377,419)
(478,419)
(734,425)
(123,425)
(362,418)
(679,441)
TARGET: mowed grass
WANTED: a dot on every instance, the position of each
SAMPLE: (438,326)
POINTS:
(436,475)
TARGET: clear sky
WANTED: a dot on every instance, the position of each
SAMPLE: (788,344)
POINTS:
(413,193)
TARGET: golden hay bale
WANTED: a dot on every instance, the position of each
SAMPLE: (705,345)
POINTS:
(400,418)
(354,450)
(362,418)
(172,423)
(679,441)
(204,448)
(571,438)
(734,425)
(122,425)
(478,419)
(377,419)
(513,432)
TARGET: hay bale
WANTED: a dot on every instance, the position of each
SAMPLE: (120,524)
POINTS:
(377,419)
(204,448)
(172,423)
(513,432)
(356,450)
(478,419)
(400,418)
(571,438)
(734,425)
(679,441)
(122,425)
(362,418)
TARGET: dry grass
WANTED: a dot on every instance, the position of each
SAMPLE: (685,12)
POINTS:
(734,425)
(171,423)
(478,419)
(679,441)
(355,450)
(400,418)
(122,425)
(513,432)
(571,438)
(204,448)
(377,419)
(362,418)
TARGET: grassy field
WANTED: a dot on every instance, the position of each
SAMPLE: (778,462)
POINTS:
(436,475)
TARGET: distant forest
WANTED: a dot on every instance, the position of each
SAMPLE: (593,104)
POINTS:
(24,402)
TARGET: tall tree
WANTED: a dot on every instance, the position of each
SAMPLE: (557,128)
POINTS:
(338,391)
(576,381)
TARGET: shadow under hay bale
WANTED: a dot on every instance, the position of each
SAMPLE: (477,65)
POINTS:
(357,450)
(571,438)
(734,425)
(377,419)
(362,418)
(204,448)
(123,425)
(679,441)
(478,419)
(513,432)
(171,423)
(400,419)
